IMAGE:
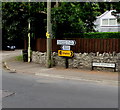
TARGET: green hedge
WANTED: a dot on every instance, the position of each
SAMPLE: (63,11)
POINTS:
(92,35)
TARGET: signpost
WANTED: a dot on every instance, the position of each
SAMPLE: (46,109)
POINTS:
(66,52)
(66,42)
(65,47)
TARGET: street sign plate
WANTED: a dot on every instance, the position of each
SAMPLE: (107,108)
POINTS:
(66,42)
(112,65)
(65,47)
(65,53)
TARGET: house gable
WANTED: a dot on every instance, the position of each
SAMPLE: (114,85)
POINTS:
(107,22)
(107,14)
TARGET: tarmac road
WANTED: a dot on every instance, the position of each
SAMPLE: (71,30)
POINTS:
(40,92)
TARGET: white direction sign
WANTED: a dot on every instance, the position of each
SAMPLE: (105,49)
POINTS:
(66,42)
(65,47)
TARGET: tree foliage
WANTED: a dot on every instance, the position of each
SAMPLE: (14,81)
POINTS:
(15,17)
(117,13)
(74,17)
(67,17)
(78,17)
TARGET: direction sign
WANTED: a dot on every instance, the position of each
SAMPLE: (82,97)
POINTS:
(66,53)
(66,42)
(65,47)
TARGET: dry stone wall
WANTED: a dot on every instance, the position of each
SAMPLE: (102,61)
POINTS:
(80,60)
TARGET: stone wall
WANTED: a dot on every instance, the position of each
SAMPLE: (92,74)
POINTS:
(80,60)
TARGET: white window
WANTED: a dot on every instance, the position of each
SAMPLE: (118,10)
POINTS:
(104,22)
(112,22)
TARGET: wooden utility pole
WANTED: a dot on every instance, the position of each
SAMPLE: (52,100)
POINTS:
(49,35)
(29,47)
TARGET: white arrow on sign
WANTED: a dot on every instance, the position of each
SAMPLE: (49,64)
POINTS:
(65,47)
(66,42)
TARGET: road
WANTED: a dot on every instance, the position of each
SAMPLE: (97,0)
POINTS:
(31,91)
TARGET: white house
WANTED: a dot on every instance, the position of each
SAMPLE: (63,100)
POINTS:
(107,23)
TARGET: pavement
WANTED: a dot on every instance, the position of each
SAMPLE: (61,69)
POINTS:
(14,66)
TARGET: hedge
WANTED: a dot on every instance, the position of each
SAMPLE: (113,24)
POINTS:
(92,35)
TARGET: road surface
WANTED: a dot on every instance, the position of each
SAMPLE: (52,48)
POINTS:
(29,91)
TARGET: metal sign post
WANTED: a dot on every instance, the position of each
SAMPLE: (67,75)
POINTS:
(66,62)
(29,45)
(66,52)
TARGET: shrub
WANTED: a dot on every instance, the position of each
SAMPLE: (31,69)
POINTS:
(92,35)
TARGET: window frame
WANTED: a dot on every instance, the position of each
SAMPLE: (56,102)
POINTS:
(115,22)
(107,22)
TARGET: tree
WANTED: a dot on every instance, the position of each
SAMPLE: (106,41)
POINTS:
(74,17)
(117,12)
(67,17)
(104,6)
(15,16)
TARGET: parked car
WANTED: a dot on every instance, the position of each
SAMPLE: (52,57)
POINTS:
(11,47)
(8,47)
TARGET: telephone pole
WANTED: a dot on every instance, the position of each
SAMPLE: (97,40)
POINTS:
(49,35)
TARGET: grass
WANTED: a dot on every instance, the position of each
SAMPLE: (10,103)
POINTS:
(19,58)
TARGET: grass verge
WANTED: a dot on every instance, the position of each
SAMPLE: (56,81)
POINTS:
(19,58)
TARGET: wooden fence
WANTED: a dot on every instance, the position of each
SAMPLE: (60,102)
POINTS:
(82,45)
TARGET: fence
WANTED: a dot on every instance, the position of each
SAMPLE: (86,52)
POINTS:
(82,45)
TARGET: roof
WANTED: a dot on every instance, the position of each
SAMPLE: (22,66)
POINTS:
(105,13)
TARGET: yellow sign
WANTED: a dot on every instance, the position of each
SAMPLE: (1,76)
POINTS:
(47,35)
(65,53)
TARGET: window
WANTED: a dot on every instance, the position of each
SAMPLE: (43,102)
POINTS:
(112,21)
(109,22)
(104,22)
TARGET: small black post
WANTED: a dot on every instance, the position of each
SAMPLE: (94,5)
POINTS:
(92,65)
(66,62)
(115,68)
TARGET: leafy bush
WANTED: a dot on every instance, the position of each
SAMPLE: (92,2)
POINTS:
(92,35)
